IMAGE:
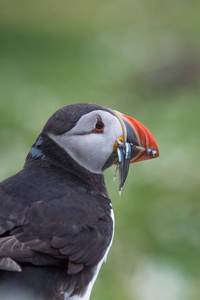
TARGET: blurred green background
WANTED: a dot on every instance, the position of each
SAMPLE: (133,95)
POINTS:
(143,59)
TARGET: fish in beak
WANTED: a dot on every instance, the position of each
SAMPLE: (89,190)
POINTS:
(136,144)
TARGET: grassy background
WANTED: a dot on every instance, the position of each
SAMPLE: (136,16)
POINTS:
(141,58)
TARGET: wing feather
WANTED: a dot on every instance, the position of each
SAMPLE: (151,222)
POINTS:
(73,229)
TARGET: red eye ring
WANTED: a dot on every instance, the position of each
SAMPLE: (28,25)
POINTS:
(99,127)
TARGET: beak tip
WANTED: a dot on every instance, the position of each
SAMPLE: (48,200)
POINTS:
(152,152)
(155,152)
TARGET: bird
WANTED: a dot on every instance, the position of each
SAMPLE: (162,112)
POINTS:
(56,217)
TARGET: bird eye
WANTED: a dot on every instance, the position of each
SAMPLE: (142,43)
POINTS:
(99,127)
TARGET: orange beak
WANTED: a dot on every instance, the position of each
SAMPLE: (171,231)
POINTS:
(143,143)
(136,144)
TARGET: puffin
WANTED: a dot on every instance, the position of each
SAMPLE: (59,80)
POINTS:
(56,218)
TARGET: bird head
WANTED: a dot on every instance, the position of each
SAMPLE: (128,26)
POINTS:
(96,137)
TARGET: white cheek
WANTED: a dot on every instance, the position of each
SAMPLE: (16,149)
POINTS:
(91,150)
(88,150)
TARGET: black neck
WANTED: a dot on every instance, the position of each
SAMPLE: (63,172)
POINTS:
(47,150)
